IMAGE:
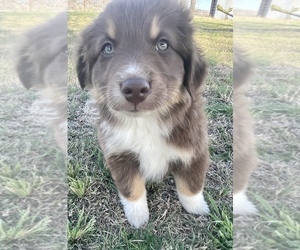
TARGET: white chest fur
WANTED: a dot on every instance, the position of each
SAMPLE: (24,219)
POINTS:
(145,137)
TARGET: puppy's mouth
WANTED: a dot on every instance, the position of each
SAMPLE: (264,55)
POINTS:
(135,109)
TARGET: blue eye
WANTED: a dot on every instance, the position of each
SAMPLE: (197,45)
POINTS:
(108,49)
(162,45)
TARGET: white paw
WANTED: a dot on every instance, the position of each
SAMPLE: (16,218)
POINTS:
(242,206)
(136,212)
(194,204)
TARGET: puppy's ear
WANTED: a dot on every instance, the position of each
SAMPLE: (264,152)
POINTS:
(82,66)
(195,71)
(27,67)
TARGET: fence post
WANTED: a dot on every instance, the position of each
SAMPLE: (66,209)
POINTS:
(213,8)
(264,8)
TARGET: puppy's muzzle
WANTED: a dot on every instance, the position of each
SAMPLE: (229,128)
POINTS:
(135,90)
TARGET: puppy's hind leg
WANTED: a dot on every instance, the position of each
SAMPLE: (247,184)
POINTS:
(131,186)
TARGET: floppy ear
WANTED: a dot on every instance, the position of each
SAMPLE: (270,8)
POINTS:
(195,71)
(27,67)
(82,66)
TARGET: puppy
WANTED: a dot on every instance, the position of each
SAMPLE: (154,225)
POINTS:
(42,65)
(244,152)
(146,78)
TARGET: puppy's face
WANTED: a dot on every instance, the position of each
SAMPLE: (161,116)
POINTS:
(139,56)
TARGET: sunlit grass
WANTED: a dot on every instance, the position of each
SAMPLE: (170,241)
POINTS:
(214,37)
(269,41)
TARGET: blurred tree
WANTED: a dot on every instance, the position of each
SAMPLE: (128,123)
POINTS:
(193,7)
(289,12)
(213,8)
(264,8)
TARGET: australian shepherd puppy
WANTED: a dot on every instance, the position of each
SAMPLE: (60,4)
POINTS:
(146,78)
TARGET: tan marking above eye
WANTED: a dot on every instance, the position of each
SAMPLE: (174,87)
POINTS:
(111,29)
(154,28)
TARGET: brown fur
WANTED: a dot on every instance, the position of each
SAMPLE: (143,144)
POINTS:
(125,172)
(191,178)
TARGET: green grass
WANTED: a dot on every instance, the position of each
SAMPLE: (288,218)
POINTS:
(274,227)
(221,226)
(273,41)
(275,101)
(33,173)
(82,227)
(214,37)
(21,187)
(26,226)
(79,187)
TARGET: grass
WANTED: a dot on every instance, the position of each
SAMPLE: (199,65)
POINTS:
(275,99)
(33,174)
(269,40)
(170,227)
(26,227)
(220,220)
(79,187)
(211,34)
(82,227)
(32,171)
(21,188)
(274,227)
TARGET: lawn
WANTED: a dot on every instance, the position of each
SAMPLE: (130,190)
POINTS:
(34,176)
(32,171)
(275,101)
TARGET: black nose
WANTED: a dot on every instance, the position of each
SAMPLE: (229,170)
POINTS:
(135,90)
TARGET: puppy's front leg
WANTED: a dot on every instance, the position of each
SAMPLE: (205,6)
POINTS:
(189,183)
(131,186)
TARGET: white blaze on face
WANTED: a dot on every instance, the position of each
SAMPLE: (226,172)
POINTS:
(130,71)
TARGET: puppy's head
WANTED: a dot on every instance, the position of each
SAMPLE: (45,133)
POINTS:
(41,56)
(139,55)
